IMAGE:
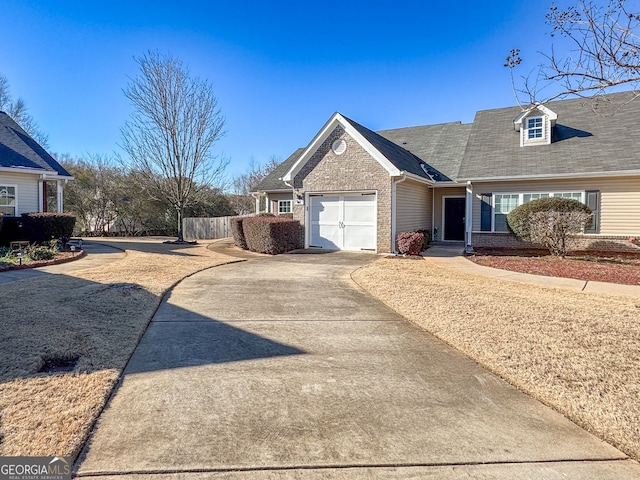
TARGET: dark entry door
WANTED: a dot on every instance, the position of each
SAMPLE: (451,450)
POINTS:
(454,219)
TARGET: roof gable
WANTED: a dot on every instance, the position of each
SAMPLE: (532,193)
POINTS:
(392,157)
(20,151)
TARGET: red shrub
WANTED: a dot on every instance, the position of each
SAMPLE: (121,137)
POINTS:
(410,243)
(238,233)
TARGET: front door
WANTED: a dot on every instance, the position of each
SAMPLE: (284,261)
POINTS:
(454,210)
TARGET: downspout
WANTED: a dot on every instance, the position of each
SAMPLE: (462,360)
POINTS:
(433,214)
(394,208)
(468,248)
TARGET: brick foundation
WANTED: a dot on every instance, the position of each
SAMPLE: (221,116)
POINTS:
(602,243)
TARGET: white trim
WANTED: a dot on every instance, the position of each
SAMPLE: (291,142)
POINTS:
(45,174)
(335,120)
(442,224)
(290,201)
(553,176)
(17,197)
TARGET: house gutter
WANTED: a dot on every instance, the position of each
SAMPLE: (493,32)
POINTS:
(394,208)
(554,176)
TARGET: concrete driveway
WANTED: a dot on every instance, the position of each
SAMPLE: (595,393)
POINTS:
(281,368)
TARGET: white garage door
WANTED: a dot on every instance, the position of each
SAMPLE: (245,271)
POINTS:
(343,222)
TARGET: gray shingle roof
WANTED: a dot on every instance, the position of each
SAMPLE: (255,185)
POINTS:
(272,181)
(441,146)
(19,150)
(583,141)
(403,159)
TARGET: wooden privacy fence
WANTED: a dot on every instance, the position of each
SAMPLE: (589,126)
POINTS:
(208,228)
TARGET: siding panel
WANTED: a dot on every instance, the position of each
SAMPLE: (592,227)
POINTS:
(619,199)
(413,206)
(27,190)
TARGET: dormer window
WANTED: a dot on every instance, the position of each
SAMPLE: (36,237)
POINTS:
(534,128)
(535,125)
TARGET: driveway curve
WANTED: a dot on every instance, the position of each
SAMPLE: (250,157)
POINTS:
(281,367)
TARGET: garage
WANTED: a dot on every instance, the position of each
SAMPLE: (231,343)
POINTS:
(343,221)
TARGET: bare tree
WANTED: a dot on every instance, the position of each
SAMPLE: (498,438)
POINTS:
(246,182)
(17,109)
(602,52)
(171,132)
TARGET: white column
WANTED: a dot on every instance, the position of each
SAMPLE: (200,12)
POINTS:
(60,185)
(468,218)
(41,198)
(257,204)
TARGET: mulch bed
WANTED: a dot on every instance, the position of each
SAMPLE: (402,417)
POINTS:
(622,268)
(61,257)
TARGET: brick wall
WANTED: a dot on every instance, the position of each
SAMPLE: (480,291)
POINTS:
(354,170)
(605,243)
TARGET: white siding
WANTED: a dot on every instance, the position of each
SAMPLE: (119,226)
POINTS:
(619,199)
(413,207)
(27,190)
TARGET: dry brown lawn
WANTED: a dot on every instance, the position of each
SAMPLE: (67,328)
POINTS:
(96,315)
(578,353)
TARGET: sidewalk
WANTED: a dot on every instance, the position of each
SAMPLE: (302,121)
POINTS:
(452,256)
(96,254)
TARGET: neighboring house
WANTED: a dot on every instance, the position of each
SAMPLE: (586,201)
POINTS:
(355,189)
(30,179)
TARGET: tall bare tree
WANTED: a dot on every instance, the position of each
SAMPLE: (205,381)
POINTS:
(600,50)
(171,132)
(17,109)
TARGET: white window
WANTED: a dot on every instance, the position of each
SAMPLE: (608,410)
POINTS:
(8,200)
(284,206)
(534,128)
(505,202)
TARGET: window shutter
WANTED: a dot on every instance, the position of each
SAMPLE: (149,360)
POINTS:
(485,212)
(593,202)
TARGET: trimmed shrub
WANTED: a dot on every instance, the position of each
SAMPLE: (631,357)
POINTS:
(47,226)
(549,222)
(238,233)
(410,243)
(272,235)
(11,230)
(265,214)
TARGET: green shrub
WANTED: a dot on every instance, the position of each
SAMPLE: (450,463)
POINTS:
(272,235)
(549,222)
(410,243)
(43,227)
(265,214)
(238,233)
(41,253)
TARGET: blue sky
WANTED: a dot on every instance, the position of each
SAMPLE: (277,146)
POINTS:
(279,69)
